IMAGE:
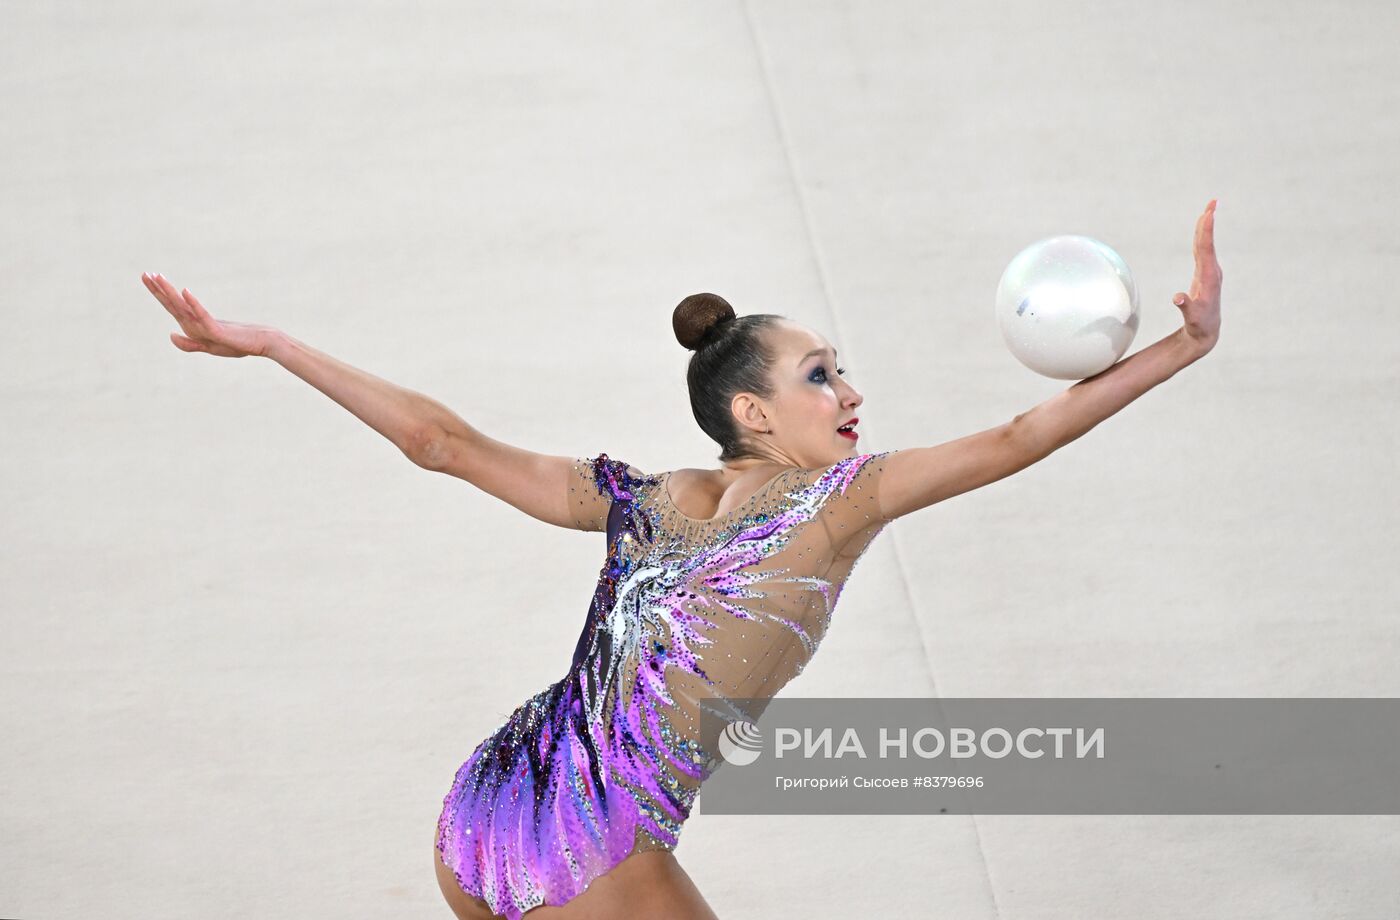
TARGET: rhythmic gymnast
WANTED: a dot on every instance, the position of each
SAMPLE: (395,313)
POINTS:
(717,584)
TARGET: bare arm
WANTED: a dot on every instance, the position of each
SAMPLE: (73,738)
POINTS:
(918,477)
(436,438)
(537,484)
(556,489)
(1067,416)
(403,416)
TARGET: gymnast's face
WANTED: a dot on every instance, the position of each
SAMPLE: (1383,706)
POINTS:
(811,399)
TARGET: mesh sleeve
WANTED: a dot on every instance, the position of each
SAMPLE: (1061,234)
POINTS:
(850,514)
(594,484)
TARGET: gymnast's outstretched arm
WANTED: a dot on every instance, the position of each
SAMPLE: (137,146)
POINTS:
(917,477)
(423,429)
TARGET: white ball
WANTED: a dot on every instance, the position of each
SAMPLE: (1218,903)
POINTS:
(1067,307)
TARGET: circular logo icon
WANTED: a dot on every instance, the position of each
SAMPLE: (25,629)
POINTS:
(740,743)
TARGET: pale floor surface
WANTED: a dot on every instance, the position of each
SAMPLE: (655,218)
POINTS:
(248,644)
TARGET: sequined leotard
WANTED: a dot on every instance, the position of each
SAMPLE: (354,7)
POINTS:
(608,760)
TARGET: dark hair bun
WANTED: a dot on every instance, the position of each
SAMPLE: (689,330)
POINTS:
(697,316)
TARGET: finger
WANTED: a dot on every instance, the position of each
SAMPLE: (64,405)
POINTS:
(153,283)
(176,304)
(1205,256)
(160,295)
(1205,238)
(185,344)
(195,306)
(1207,212)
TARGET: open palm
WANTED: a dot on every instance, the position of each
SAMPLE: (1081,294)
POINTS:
(203,332)
(1200,307)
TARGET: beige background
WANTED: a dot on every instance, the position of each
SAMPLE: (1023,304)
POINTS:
(247,644)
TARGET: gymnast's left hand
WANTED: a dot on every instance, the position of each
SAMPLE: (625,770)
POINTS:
(1200,307)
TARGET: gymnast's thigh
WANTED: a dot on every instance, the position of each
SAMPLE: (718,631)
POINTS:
(650,885)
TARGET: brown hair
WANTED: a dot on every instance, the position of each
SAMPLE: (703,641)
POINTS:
(731,356)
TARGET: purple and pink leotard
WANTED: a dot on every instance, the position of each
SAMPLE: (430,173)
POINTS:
(608,760)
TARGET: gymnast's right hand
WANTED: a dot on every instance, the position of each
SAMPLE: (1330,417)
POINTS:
(203,332)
